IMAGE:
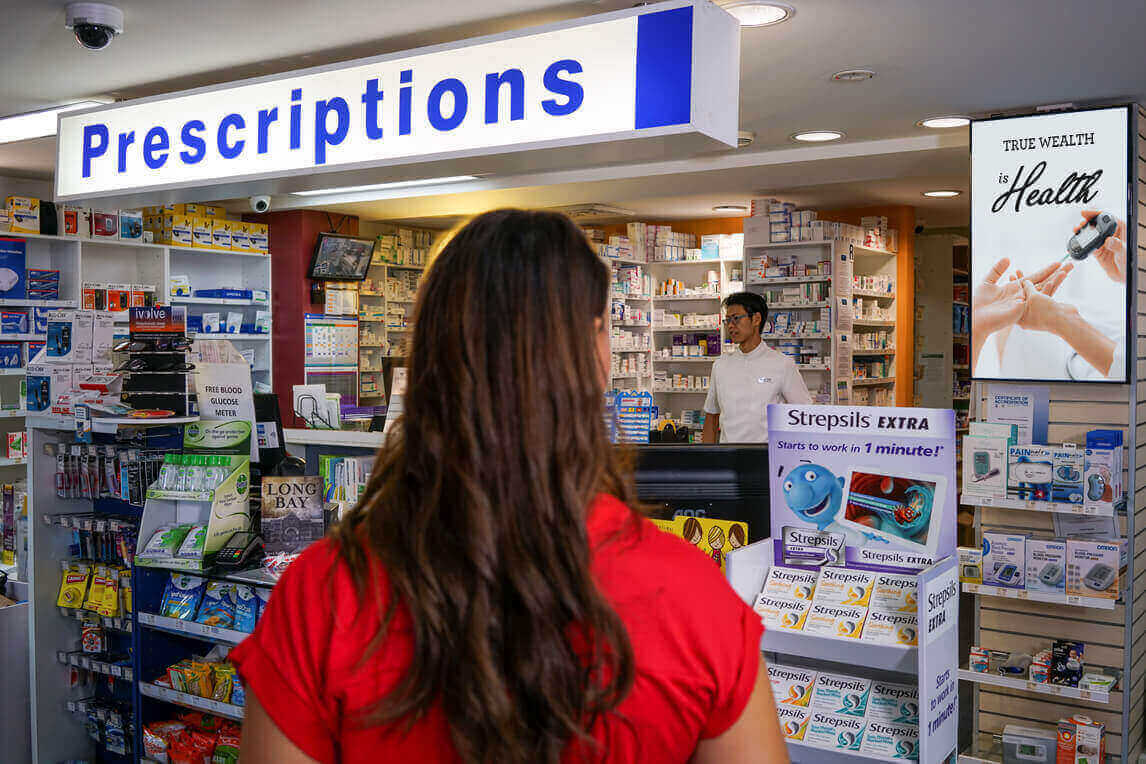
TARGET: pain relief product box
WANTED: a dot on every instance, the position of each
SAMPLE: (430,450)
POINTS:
(842,621)
(891,629)
(1004,560)
(843,733)
(985,466)
(203,232)
(894,593)
(894,703)
(1030,472)
(839,694)
(1092,568)
(791,686)
(884,740)
(776,612)
(844,587)
(1067,479)
(790,583)
(793,721)
(1081,740)
(1046,566)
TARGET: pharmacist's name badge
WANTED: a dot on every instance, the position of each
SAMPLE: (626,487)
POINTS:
(763,380)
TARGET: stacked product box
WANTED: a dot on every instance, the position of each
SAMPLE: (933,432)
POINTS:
(1084,567)
(203,226)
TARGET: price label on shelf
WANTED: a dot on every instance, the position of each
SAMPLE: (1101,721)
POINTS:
(1073,599)
(1022,594)
(1084,694)
(1034,686)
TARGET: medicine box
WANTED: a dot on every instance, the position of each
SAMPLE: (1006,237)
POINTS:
(1004,560)
(895,703)
(1092,568)
(970,565)
(240,236)
(11,355)
(221,234)
(779,613)
(103,337)
(1030,470)
(985,466)
(39,320)
(24,214)
(44,382)
(118,297)
(260,241)
(1081,740)
(890,628)
(838,694)
(182,229)
(790,583)
(1067,661)
(841,621)
(793,721)
(13,273)
(13,322)
(843,586)
(890,741)
(202,232)
(791,686)
(1046,566)
(894,593)
(1028,745)
(1102,479)
(70,337)
(835,731)
(1111,440)
(1067,479)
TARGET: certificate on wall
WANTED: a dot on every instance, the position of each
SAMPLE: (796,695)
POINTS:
(1050,245)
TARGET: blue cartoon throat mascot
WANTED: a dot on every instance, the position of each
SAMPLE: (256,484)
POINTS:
(815,495)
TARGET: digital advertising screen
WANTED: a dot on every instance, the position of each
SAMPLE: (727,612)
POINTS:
(1051,246)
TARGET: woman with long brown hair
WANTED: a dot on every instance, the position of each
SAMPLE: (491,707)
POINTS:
(492,597)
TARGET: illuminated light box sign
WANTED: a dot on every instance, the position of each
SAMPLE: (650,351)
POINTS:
(659,70)
(1049,201)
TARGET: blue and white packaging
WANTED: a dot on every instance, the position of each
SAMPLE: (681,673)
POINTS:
(13,264)
(40,320)
(1046,566)
(1004,560)
(833,731)
(839,694)
(985,466)
(44,383)
(1030,472)
(70,336)
(211,323)
(893,703)
(1101,479)
(890,741)
(11,355)
(13,322)
(1067,480)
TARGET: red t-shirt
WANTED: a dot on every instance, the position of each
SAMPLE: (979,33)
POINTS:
(696,646)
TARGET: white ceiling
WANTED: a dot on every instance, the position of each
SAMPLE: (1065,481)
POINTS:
(932,57)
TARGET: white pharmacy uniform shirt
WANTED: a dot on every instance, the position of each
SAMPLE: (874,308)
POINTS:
(743,384)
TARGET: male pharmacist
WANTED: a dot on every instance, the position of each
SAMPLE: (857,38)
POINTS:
(746,380)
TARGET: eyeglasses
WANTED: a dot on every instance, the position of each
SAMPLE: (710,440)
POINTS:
(730,320)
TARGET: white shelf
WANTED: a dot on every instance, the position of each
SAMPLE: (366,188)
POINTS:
(681,297)
(17,414)
(631,297)
(198,630)
(216,301)
(1097,510)
(188,700)
(782,244)
(200,251)
(1100,603)
(623,261)
(873,381)
(710,262)
(886,657)
(799,336)
(874,322)
(872,293)
(5,462)
(814,305)
(38,303)
(802,753)
(813,367)
(23,338)
(787,280)
(94,664)
(348,438)
(224,336)
(402,266)
(886,351)
(683,329)
(1042,688)
(631,351)
(12,372)
(672,391)
(631,325)
(685,360)
(860,250)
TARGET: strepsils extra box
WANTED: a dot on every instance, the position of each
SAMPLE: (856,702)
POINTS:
(891,628)
(835,621)
(779,613)
(790,583)
(839,694)
(843,733)
(793,721)
(791,686)
(843,586)
(894,593)
(891,741)
(895,703)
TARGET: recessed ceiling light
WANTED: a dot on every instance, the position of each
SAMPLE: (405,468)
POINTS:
(942,193)
(853,75)
(730,209)
(386,186)
(37,124)
(758,13)
(818,136)
(940,123)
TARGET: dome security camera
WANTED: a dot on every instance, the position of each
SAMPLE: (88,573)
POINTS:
(94,24)
(260,203)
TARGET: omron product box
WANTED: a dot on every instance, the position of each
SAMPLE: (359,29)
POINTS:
(1004,560)
(835,731)
(791,686)
(1027,745)
(838,694)
(790,583)
(844,587)
(1046,566)
(1092,568)
(985,466)
(1067,479)
(895,703)
(1030,471)
(890,741)
(1112,440)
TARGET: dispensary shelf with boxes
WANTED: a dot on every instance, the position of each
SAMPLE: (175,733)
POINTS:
(581,81)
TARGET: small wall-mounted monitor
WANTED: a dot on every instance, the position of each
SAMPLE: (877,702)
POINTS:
(341,258)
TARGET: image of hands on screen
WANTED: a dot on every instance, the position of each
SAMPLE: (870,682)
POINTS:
(1062,317)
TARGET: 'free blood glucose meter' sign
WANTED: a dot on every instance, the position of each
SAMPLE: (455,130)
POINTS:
(647,72)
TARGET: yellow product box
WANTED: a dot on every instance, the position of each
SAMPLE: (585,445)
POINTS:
(793,721)
(203,233)
(891,629)
(790,583)
(778,613)
(260,241)
(212,211)
(221,234)
(23,214)
(791,685)
(5,221)
(894,593)
(844,587)
(241,242)
(839,621)
(162,235)
(181,230)
(183,209)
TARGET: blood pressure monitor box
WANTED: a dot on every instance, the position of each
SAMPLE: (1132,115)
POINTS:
(1030,471)
(1004,560)
(844,587)
(1093,568)
(1046,566)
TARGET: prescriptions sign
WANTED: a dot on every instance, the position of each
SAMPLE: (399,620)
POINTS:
(1051,248)
(648,72)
